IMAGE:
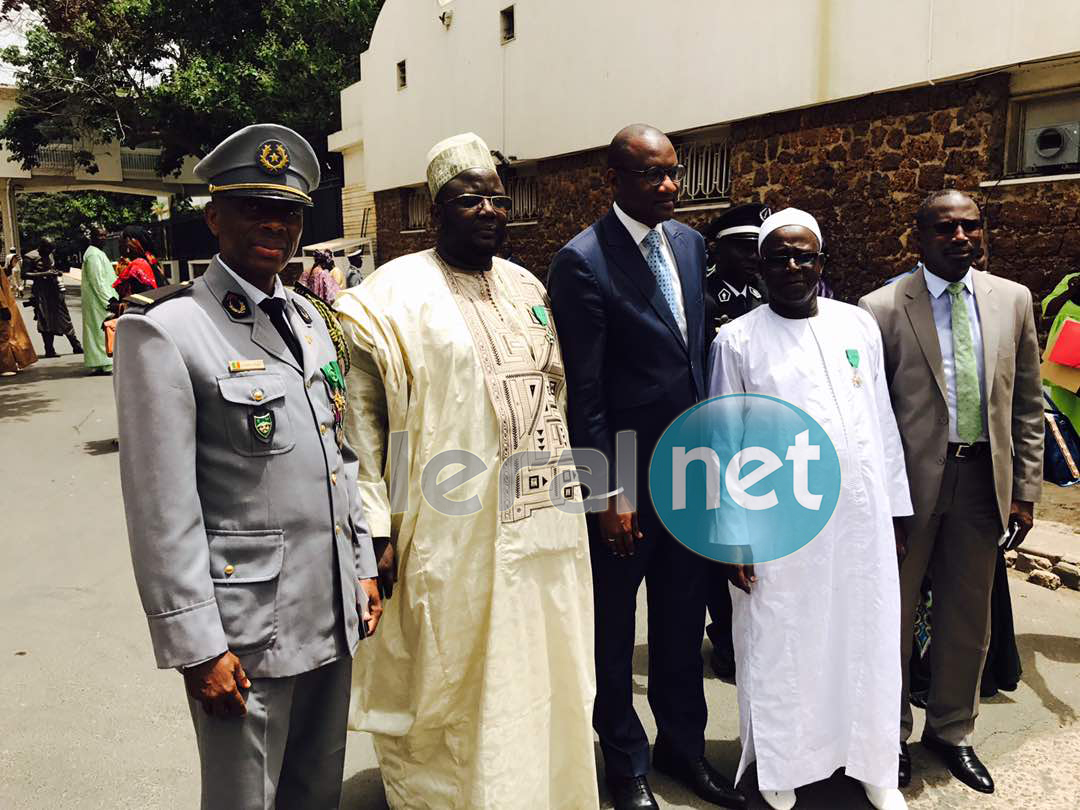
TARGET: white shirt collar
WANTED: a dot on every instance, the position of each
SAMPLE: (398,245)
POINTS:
(637,230)
(256,295)
(937,285)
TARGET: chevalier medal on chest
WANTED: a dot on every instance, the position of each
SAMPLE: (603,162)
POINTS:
(335,384)
(853,361)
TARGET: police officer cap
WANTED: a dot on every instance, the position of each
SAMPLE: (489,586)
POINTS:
(743,221)
(262,160)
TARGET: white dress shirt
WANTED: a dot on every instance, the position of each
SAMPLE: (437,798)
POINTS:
(638,232)
(941,304)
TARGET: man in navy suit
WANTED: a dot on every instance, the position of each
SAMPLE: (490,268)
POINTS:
(627,296)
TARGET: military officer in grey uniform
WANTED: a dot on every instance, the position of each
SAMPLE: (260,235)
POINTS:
(252,556)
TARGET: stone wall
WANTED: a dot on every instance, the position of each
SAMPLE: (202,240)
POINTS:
(861,166)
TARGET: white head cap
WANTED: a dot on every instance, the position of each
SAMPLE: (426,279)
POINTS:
(449,158)
(789,216)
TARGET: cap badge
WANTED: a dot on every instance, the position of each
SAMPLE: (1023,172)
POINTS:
(236,305)
(273,157)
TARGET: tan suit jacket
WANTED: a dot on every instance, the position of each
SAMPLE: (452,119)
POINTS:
(916,378)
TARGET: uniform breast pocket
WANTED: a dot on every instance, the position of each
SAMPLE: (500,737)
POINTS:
(255,414)
(245,566)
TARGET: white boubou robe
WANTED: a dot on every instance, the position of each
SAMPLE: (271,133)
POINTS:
(817,642)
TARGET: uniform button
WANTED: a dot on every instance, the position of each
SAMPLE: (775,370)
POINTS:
(333,479)
(941,460)
(257,394)
(943,420)
(229,570)
(337,528)
(322,429)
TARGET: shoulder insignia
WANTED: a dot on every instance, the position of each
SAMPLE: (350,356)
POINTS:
(151,298)
(236,305)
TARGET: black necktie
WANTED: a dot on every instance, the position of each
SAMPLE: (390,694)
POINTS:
(275,308)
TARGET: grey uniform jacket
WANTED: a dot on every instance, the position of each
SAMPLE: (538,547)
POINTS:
(239,541)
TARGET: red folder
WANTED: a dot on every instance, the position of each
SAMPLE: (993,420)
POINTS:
(1066,348)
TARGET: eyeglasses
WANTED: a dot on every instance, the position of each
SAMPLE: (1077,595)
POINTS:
(948,227)
(804,261)
(654,175)
(500,202)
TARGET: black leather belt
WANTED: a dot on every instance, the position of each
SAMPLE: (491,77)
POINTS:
(963,452)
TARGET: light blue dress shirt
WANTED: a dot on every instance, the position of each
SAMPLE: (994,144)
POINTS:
(941,304)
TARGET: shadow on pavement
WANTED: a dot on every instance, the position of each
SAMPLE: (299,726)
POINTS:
(101,447)
(19,403)
(1063,649)
(363,791)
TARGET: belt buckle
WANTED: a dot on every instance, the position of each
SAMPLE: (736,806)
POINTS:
(962,451)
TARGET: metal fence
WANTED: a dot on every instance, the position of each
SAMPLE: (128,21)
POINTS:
(708,172)
(139,163)
(58,157)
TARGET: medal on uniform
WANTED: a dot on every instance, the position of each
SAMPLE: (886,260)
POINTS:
(262,424)
(853,360)
(540,315)
(335,384)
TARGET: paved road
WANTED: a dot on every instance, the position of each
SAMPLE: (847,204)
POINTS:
(87,722)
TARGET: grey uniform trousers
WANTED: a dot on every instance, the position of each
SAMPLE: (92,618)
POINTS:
(957,545)
(288,752)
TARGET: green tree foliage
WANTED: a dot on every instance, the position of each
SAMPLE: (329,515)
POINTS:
(62,215)
(180,75)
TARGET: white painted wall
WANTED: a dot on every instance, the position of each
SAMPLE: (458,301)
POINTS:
(580,69)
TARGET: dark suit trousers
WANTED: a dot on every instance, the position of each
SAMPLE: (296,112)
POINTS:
(675,580)
(957,545)
(718,600)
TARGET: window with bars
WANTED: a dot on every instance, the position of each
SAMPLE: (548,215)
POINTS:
(708,173)
(416,206)
(525,192)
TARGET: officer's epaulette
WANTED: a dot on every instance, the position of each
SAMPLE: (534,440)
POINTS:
(151,298)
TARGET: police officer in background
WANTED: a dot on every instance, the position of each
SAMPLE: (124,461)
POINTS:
(732,284)
(251,553)
(732,288)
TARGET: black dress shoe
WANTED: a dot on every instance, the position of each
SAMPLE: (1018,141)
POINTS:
(962,763)
(904,774)
(699,776)
(632,793)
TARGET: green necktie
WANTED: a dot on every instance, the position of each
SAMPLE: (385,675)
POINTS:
(969,419)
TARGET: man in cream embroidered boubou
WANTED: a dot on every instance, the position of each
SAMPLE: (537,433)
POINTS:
(478,689)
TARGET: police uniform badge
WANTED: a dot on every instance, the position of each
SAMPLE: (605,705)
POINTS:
(335,386)
(272,157)
(236,305)
(262,424)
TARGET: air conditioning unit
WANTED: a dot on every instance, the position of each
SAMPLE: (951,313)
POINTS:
(1050,146)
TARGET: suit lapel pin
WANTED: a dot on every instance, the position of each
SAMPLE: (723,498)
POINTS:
(303,314)
(236,305)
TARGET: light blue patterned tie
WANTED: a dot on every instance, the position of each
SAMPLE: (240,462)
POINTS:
(662,271)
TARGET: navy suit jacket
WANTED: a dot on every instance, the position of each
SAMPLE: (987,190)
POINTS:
(627,366)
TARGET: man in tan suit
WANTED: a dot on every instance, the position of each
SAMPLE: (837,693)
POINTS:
(962,360)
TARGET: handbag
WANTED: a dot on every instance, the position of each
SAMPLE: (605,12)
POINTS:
(110,335)
(1061,464)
